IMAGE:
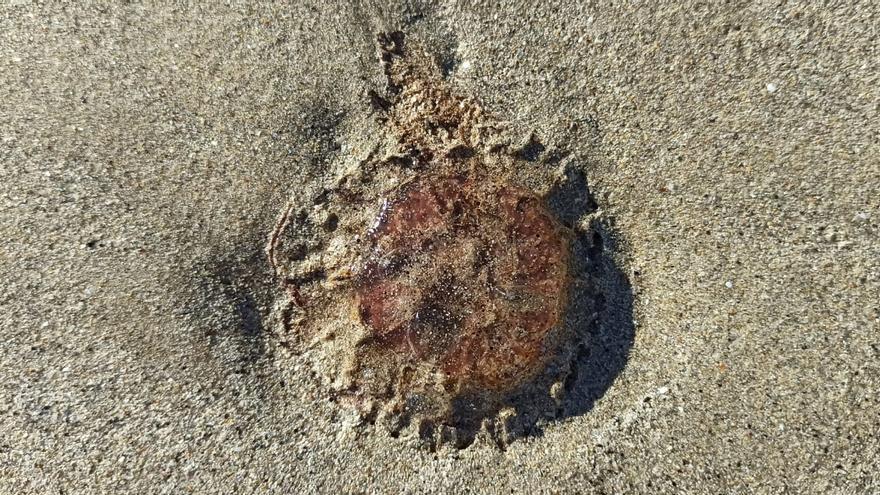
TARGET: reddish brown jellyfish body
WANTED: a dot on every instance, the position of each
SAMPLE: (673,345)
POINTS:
(465,275)
(437,280)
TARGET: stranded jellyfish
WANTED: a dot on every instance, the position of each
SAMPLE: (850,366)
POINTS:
(466,276)
(435,279)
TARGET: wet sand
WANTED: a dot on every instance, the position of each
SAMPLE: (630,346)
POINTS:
(147,151)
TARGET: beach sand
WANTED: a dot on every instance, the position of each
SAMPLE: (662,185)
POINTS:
(733,153)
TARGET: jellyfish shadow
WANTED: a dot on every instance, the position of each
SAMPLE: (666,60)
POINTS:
(600,312)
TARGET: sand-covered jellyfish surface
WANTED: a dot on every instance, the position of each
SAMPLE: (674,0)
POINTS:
(441,289)
(466,280)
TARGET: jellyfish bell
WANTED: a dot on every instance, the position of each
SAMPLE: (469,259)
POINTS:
(466,276)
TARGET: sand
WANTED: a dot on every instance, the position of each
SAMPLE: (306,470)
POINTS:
(147,150)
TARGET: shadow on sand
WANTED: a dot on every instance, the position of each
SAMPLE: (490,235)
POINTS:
(601,307)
